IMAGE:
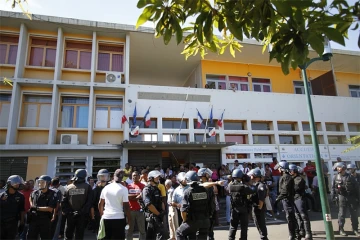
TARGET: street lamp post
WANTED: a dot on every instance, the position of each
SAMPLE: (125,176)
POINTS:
(319,171)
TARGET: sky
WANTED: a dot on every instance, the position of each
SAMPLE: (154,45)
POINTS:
(115,11)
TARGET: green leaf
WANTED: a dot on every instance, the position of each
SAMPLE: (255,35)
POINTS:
(208,30)
(221,23)
(199,34)
(334,35)
(178,30)
(316,42)
(212,47)
(283,8)
(232,51)
(286,64)
(167,36)
(222,49)
(141,3)
(235,30)
(145,16)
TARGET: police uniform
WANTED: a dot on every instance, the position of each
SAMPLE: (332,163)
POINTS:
(39,222)
(155,228)
(259,214)
(286,195)
(212,206)
(239,194)
(300,209)
(76,205)
(11,205)
(196,204)
(347,190)
(96,198)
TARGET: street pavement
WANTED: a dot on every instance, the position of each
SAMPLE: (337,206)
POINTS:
(277,229)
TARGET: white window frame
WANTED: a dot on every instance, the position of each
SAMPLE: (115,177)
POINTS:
(59,118)
(100,42)
(21,113)
(1,103)
(261,84)
(108,97)
(238,83)
(153,137)
(357,91)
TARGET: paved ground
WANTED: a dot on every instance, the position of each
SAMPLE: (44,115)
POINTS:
(276,229)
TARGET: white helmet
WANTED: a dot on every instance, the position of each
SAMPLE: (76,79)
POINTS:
(300,170)
(154,174)
(180,177)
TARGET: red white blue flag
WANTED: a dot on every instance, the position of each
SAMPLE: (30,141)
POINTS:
(220,122)
(147,118)
(199,120)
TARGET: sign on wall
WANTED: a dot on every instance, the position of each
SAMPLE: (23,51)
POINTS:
(250,149)
(302,153)
(337,151)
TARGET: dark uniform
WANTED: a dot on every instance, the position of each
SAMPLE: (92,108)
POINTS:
(96,198)
(300,210)
(76,205)
(196,204)
(239,194)
(346,189)
(259,214)
(11,205)
(155,227)
(212,207)
(54,224)
(286,195)
(39,222)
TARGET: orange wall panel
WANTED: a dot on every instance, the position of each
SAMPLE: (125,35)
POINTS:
(7,71)
(36,89)
(119,93)
(9,29)
(100,77)
(111,39)
(107,137)
(82,135)
(37,166)
(343,80)
(74,90)
(5,87)
(3,136)
(76,76)
(32,137)
(78,36)
(39,74)
(42,32)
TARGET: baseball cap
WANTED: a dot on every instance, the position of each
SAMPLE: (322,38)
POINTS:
(118,175)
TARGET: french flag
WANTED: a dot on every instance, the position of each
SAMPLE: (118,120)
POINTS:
(147,118)
(199,120)
(220,122)
(211,117)
(134,116)
(123,119)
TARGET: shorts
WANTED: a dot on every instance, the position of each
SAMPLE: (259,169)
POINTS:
(268,204)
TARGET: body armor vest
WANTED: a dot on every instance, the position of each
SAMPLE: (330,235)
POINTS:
(343,185)
(299,185)
(238,195)
(199,203)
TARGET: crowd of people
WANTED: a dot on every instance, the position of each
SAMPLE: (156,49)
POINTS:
(173,203)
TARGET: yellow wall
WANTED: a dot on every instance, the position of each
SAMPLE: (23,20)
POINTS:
(105,137)
(45,74)
(42,32)
(3,136)
(5,87)
(9,29)
(112,39)
(6,71)
(110,92)
(74,90)
(82,135)
(32,137)
(100,77)
(37,166)
(279,82)
(80,36)
(76,76)
(36,89)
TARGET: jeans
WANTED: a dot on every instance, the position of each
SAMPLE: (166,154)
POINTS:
(228,206)
(139,218)
(114,229)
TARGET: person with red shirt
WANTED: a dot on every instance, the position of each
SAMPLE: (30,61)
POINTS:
(309,171)
(136,212)
(27,190)
(275,173)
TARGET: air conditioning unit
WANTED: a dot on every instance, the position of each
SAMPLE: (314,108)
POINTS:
(115,77)
(69,139)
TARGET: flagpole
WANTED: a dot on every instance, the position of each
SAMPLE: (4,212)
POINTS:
(204,139)
(182,117)
(133,117)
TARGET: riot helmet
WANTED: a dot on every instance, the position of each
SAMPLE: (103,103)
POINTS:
(283,165)
(154,174)
(191,177)
(103,175)
(204,172)
(256,173)
(237,173)
(340,166)
(180,178)
(80,175)
(300,170)
(293,168)
(15,182)
(352,167)
(44,182)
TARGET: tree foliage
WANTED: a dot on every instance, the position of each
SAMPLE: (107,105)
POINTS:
(289,26)
(356,143)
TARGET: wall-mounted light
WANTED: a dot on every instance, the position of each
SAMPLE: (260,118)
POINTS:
(153,146)
(204,146)
(249,74)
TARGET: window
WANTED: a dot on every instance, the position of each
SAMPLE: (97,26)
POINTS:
(262,139)
(110,58)
(74,112)
(5,100)
(299,87)
(78,55)
(308,139)
(200,138)
(150,137)
(111,164)
(306,126)
(108,112)
(239,139)
(66,167)
(334,127)
(8,49)
(288,139)
(260,125)
(36,109)
(175,137)
(141,124)
(261,85)
(42,52)
(354,91)
(337,139)
(238,83)
(203,124)
(216,82)
(229,125)
(264,155)
(174,124)
(282,126)
(354,127)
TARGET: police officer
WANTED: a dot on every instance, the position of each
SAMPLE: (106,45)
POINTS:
(258,203)
(103,178)
(194,210)
(11,208)
(42,203)
(76,205)
(286,196)
(352,171)
(154,207)
(239,194)
(345,190)
(300,209)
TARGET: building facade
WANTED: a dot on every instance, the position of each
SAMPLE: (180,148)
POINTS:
(75,81)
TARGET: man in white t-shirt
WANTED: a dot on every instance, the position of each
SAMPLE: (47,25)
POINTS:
(114,198)
(237,166)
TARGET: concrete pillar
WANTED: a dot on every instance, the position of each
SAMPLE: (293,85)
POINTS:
(91,116)
(14,114)
(54,115)
(127,59)
(250,136)
(93,57)
(21,53)
(59,54)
